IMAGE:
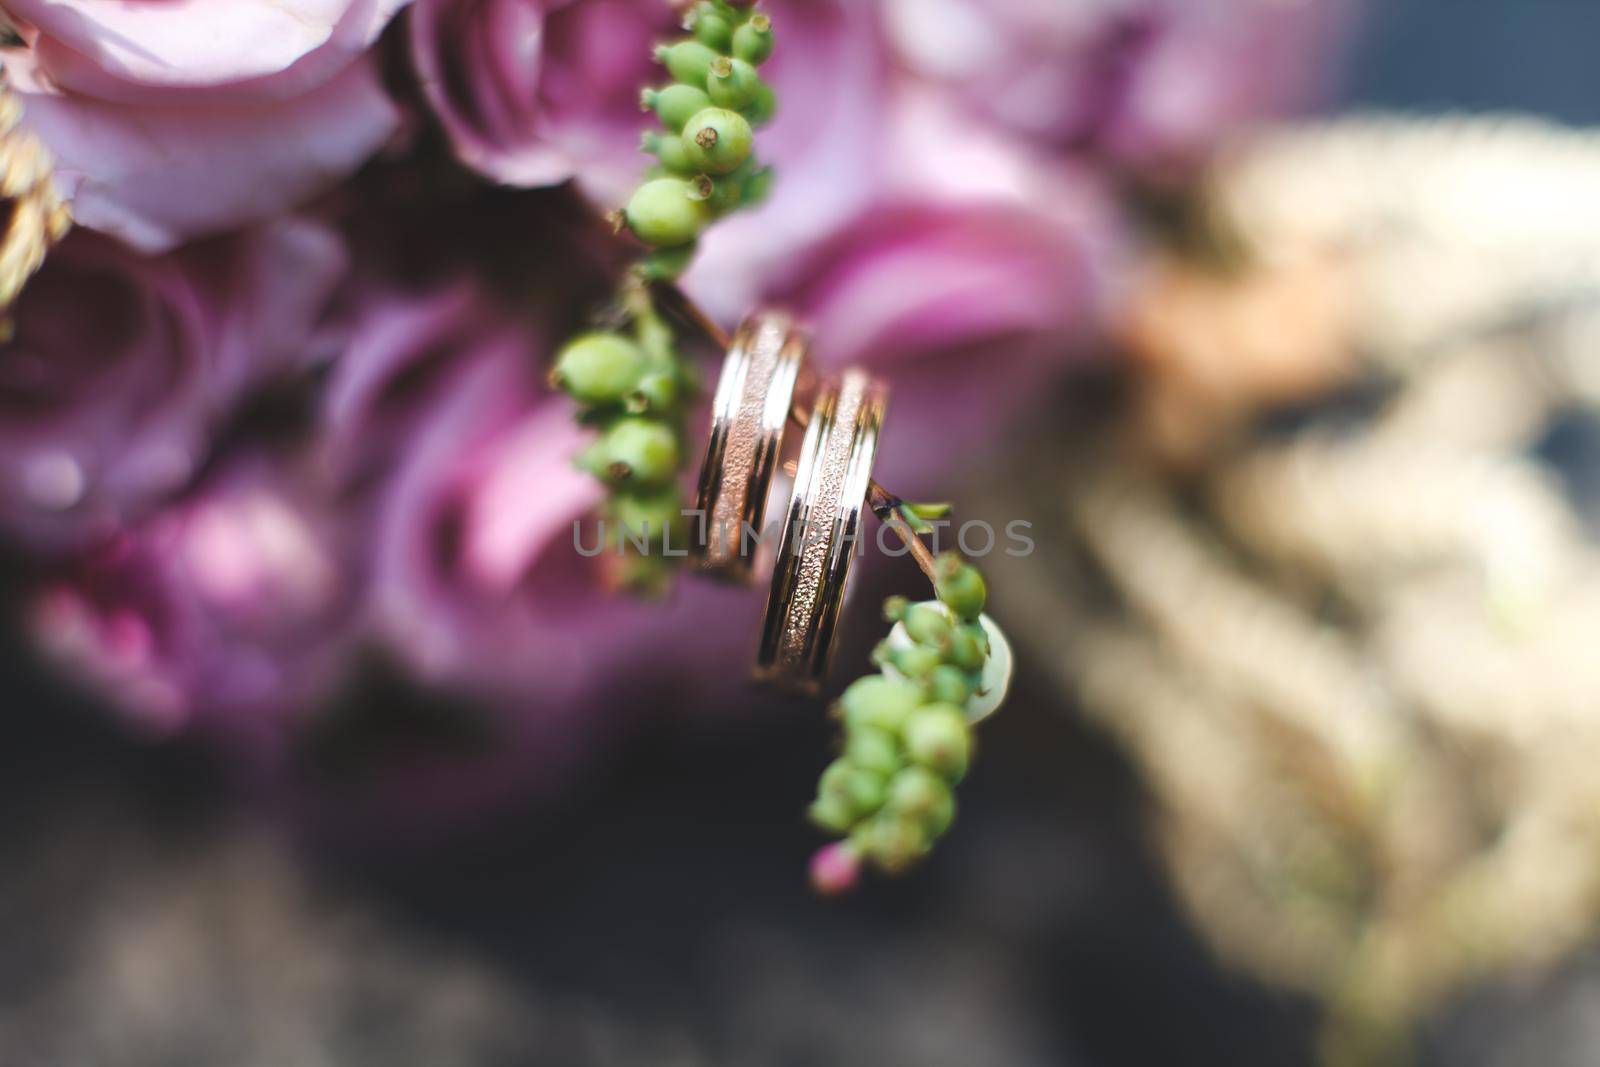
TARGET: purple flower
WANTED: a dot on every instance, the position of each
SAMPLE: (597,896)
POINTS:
(968,277)
(122,366)
(1146,83)
(227,611)
(174,120)
(438,422)
(967,311)
(533,92)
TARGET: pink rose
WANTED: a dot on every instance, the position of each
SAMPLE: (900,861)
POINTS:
(968,277)
(178,119)
(226,612)
(1149,83)
(533,92)
(967,310)
(122,366)
(438,419)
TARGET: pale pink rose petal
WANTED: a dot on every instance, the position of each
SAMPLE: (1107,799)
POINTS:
(243,49)
(158,176)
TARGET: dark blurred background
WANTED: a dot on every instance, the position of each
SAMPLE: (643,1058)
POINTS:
(656,914)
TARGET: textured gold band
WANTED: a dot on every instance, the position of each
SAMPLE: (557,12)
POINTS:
(748,418)
(822,532)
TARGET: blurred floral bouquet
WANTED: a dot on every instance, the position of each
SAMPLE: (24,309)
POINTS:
(274,439)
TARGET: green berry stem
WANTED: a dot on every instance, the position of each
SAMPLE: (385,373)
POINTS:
(633,388)
(908,733)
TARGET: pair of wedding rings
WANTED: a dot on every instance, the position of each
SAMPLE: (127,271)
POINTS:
(763,374)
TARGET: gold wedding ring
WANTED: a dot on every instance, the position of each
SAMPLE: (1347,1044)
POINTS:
(748,418)
(821,533)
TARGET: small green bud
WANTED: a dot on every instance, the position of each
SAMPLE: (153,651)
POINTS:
(598,368)
(675,105)
(752,42)
(894,844)
(645,515)
(937,736)
(927,625)
(916,662)
(917,793)
(687,61)
(950,685)
(658,392)
(763,106)
(894,609)
(879,701)
(669,149)
(960,587)
(876,750)
(664,214)
(640,452)
(732,83)
(666,264)
(863,790)
(717,140)
(831,813)
(968,647)
(711,27)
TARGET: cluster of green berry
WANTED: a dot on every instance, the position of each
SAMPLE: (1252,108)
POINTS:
(708,114)
(908,738)
(632,388)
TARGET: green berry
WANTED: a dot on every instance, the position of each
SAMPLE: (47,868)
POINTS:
(752,42)
(599,368)
(893,843)
(960,587)
(916,662)
(873,749)
(968,647)
(645,515)
(663,213)
(937,736)
(727,192)
(640,452)
(927,625)
(666,264)
(879,701)
(732,83)
(712,28)
(950,685)
(687,61)
(718,140)
(762,106)
(917,793)
(658,392)
(675,105)
(863,790)
(831,813)
(669,149)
